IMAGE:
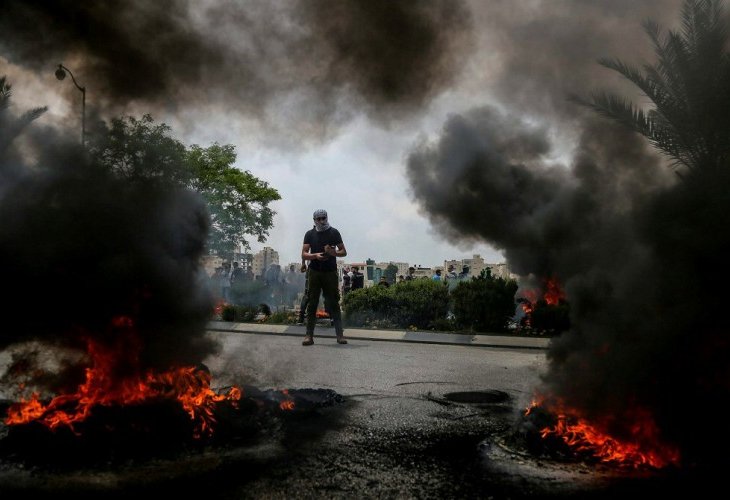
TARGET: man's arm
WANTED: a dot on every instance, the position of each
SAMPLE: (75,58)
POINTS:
(340,250)
(307,255)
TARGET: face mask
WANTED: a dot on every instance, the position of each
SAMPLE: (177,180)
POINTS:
(321,225)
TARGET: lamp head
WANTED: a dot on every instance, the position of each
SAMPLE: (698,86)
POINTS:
(60,73)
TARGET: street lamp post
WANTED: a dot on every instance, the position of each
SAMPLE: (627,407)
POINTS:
(61,74)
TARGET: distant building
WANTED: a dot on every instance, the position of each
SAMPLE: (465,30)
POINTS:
(263,259)
(476,265)
(500,270)
(259,262)
(245,260)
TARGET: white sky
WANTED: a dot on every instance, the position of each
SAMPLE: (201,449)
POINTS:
(359,178)
(358,175)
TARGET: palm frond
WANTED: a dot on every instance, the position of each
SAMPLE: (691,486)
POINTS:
(688,86)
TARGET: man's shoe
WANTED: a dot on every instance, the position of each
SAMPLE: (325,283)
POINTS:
(341,340)
(308,340)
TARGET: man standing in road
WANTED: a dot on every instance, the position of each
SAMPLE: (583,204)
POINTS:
(322,245)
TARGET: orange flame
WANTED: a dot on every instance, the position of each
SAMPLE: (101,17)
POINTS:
(322,314)
(218,308)
(553,292)
(643,448)
(113,380)
(288,403)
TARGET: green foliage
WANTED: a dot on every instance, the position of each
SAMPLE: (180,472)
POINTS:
(282,318)
(689,85)
(239,313)
(237,201)
(141,151)
(367,306)
(418,303)
(484,303)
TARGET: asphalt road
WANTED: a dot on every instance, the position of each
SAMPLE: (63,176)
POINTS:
(409,420)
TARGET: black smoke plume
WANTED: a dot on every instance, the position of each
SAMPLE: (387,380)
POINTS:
(86,255)
(384,57)
(639,251)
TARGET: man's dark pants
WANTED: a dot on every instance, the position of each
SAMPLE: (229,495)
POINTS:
(305,298)
(326,283)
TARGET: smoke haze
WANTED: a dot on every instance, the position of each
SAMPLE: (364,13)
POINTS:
(638,251)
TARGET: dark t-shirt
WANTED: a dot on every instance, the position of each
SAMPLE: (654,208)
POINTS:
(317,241)
(358,280)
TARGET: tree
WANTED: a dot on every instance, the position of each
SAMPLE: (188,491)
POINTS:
(689,85)
(238,202)
(141,151)
(10,127)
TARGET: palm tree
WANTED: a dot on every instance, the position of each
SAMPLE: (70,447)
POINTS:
(689,87)
(10,127)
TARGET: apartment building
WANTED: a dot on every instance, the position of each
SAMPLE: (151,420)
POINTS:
(263,259)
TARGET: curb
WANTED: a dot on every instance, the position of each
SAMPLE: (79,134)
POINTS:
(499,341)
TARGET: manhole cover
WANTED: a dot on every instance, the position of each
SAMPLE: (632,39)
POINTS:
(477,397)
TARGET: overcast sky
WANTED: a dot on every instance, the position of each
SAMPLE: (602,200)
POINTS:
(327,101)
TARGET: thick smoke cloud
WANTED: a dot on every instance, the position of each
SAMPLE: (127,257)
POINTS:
(638,251)
(84,255)
(80,248)
(385,58)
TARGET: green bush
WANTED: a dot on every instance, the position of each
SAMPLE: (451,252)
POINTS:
(418,303)
(239,313)
(367,306)
(484,303)
(282,318)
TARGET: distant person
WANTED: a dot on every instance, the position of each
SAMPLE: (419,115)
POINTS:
(273,282)
(451,278)
(383,282)
(437,275)
(451,273)
(222,283)
(225,281)
(401,278)
(272,275)
(411,273)
(237,275)
(464,274)
(358,279)
(346,281)
(322,245)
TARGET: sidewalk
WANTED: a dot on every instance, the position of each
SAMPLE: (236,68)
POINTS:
(388,335)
